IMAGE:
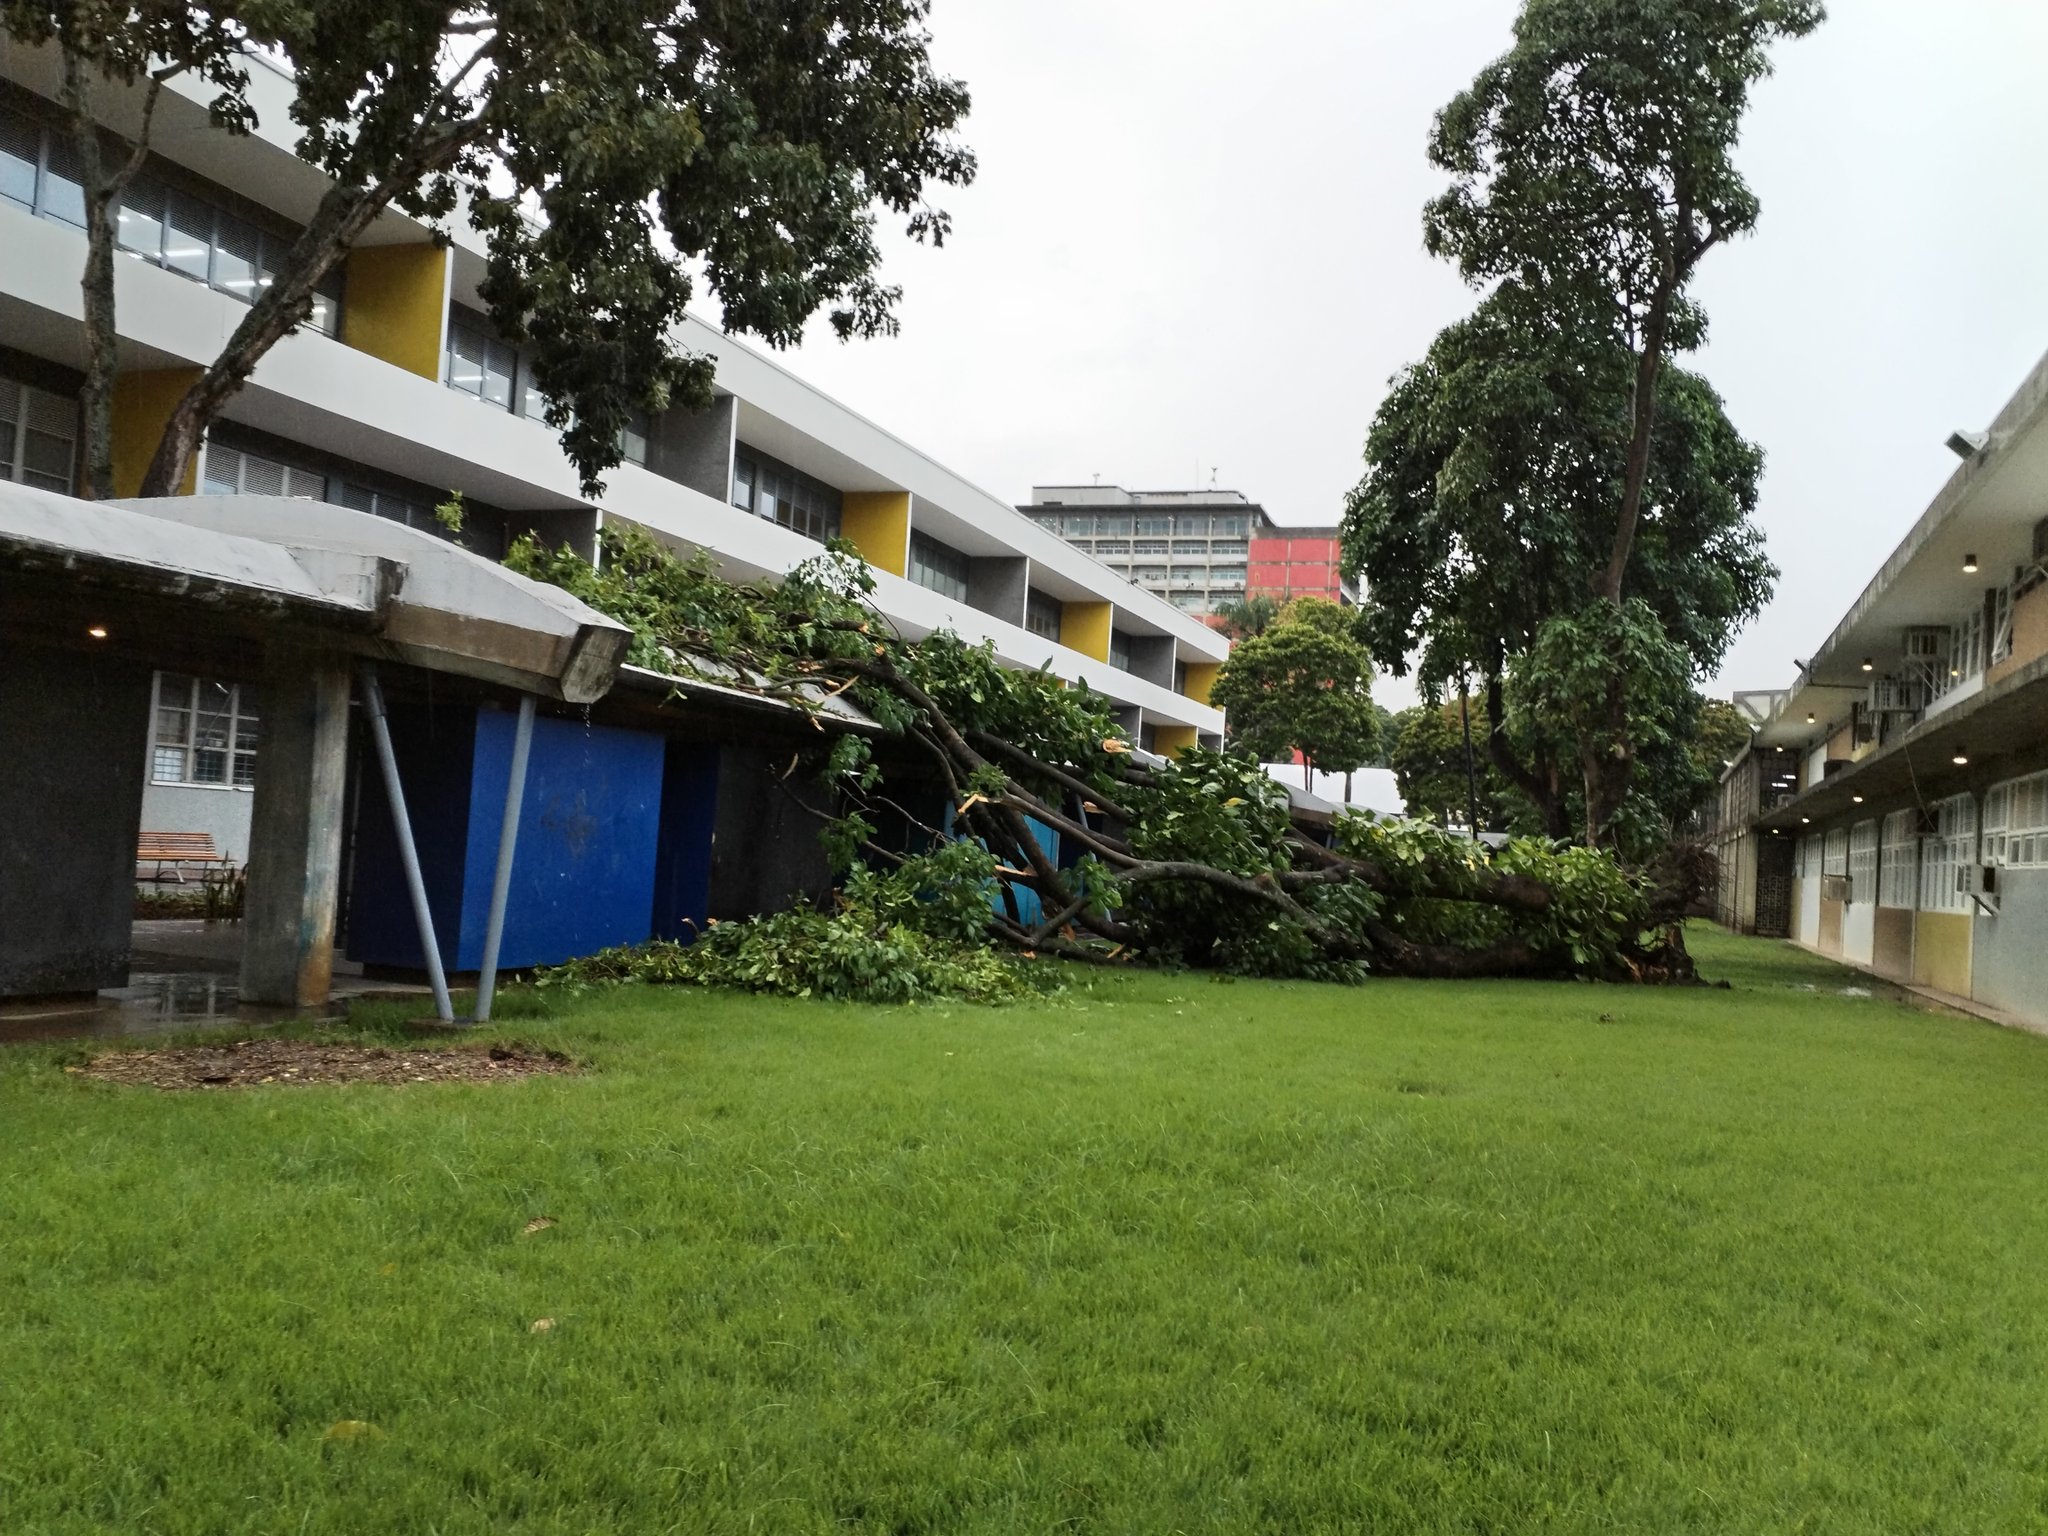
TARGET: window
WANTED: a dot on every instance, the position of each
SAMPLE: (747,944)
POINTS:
(1226,576)
(1809,858)
(1115,524)
(1113,547)
(1951,846)
(233,472)
(1151,547)
(2016,823)
(1898,882)
(1156,526)
(1151,573)
(1191,547)
(938,566)
(399,509)
(1834,858)
(206,732)
(2001,624)
(186,234)
(773,491)
(478,363)
(1120,650)
(1042,614)
(38,436)
(632,439)
(1863,863)
(1227,549)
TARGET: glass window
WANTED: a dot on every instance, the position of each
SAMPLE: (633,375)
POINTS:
(633,439)
(63,190)
(235,472)
(20,150)
(776,493)
(1863,863)
(480,364)
(743,472)
(140,223)
(1898,883)
(2016,823)
(237,256)
(206,732)
(1155,525)
(188,237)
(38,437)
(1042,614)
(1120,650)
(938,566)
(1950,847)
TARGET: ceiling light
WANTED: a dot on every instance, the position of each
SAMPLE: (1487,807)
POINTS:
(1806,821)
(1869,665)
(1966,445)
(1811,718)
(1855,799)
(1969,565)
(98,631)
(1961,758)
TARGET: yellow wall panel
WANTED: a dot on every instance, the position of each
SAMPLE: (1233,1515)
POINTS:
(1172,740)
(1201,678)
(878,523)
(1084,627)
(1941,951)
(394,304)
(142,403)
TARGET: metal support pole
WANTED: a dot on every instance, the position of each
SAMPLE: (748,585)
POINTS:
(508,836)
(1471,776)
(408,855)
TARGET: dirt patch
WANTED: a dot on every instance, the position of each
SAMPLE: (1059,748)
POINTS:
(281,1063)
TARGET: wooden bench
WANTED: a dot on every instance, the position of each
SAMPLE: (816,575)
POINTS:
(175,850)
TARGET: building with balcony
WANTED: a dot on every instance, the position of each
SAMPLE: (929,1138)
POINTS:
(1892,808)
(1195,549)
(398,391)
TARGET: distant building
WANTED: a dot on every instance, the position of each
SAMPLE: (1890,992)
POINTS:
(1196,549)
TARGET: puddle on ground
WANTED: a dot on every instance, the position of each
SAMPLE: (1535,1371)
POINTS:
(151,1002)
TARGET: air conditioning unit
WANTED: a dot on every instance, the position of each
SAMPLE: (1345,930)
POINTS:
(1834,887)
(1979,882)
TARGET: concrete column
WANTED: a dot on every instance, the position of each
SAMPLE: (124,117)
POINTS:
(295,833)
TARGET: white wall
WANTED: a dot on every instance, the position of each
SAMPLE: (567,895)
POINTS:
(1859,932)
(1806,902)
(200,808)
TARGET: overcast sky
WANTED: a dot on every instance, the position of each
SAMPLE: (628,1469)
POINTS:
(1194,246)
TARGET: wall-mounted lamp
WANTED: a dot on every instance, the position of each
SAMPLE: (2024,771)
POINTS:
(1967,445)
(1969,565)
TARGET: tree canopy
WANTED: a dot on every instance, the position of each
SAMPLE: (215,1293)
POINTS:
(1547,457)
(1303,684)
(607,150)
(1428,759)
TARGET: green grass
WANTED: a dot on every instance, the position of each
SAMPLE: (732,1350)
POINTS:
(1165,1255)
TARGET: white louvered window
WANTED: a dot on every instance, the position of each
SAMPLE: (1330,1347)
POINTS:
(1950,847)
(38,437)
(234,472)
(2016,823)
(1898,882)
(1835,853)
(1809,858)
(1863,862)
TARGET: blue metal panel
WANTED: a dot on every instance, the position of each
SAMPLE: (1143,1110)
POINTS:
(583,876)
(435,749)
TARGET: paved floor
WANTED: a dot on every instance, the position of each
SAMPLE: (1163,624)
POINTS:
(182,972)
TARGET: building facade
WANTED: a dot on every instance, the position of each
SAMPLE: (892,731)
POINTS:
(1195,549)
(1892,809)
(399,392)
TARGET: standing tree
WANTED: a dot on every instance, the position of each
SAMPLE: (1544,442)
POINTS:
(102,46)
(1485,511)
(1303,685)
(1428,759)
(1593,170)
(605,149)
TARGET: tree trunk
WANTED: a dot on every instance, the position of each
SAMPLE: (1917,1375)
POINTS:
(96,284)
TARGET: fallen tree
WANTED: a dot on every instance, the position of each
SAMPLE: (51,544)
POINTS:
(1194,860)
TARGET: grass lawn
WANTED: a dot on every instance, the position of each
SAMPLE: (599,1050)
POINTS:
(1169,1254)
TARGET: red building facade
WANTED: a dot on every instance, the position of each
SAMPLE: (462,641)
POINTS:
(1287,563)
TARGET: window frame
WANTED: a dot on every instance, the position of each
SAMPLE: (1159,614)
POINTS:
(243,742)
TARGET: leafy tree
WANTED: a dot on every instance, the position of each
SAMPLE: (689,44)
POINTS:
(606,149)
(1592,170)
(1428,759)
(122,45)
(1302,685)
(1242,617)
(1484,515)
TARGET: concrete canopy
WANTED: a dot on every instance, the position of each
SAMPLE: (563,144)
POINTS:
(450,610)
